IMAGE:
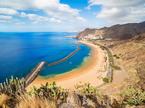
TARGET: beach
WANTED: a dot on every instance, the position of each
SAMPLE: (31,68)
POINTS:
(91,71)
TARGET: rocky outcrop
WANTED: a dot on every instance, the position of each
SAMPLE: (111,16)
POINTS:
(116,32)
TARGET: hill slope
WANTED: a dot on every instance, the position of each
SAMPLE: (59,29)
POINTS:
(130,56)
(116,32)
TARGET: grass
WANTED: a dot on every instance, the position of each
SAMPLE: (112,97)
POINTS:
(133,96)
(3,100)
(35,102)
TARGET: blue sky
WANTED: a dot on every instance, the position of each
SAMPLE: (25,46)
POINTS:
(67,15)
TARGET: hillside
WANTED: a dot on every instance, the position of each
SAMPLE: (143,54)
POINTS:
(127,45)
(127,89)
(116,32)
(129,55)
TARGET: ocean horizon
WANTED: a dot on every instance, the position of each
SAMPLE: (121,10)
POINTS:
(20,52)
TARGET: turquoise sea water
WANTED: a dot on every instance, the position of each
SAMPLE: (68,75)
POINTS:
(21,52)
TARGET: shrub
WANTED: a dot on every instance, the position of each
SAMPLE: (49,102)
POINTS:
(106,80)
(51,92)
(116,67)
(133,96)
(86,89)
(116,56)
(12,87)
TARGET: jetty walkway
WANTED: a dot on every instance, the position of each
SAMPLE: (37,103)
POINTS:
(32,75)
(66,57)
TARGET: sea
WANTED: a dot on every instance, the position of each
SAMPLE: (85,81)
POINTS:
(21,52)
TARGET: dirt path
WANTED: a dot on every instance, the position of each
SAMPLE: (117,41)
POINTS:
(119,82)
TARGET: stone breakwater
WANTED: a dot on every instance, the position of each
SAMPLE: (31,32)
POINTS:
(32,75)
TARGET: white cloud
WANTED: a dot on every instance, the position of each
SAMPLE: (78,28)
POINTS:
(55,20)
(120,11)
(112,13)
(52,13)
(53,8)
(8,11)
(37,19)
(58,10)
(16,4)
(46,3)
(116,3)
(34,17)
(4,17)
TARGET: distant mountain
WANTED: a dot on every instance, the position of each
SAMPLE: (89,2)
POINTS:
(116,32)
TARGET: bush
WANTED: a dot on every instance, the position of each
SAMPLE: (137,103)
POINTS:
(50,91)
(116,56)
(86,89)
(116,67)
(12,87)
(133,96)
(106,80)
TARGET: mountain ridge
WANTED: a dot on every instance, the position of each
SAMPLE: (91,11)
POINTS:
(115,32)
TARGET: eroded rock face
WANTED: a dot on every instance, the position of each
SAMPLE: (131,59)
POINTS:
(75,100)
(88,103)
(68,105)
(72,101)
(116,32)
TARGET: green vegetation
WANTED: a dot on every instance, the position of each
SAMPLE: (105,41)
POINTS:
(50,91)
(10,90)
(12,87)
(105,80)
(116,67)
(133,96)
(86,89)
(116,56)
(14,95)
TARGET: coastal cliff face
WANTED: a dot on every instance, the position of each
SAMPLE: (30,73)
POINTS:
(116,32)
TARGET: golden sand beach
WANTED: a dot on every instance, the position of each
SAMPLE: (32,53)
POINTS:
(91,71)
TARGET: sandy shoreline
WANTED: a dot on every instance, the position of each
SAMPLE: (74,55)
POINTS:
(91,71)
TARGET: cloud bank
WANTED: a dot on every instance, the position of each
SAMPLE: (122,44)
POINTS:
(53,15)
(120,11)
(49,12)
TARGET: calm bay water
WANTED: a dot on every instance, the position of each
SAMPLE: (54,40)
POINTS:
(21,52)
